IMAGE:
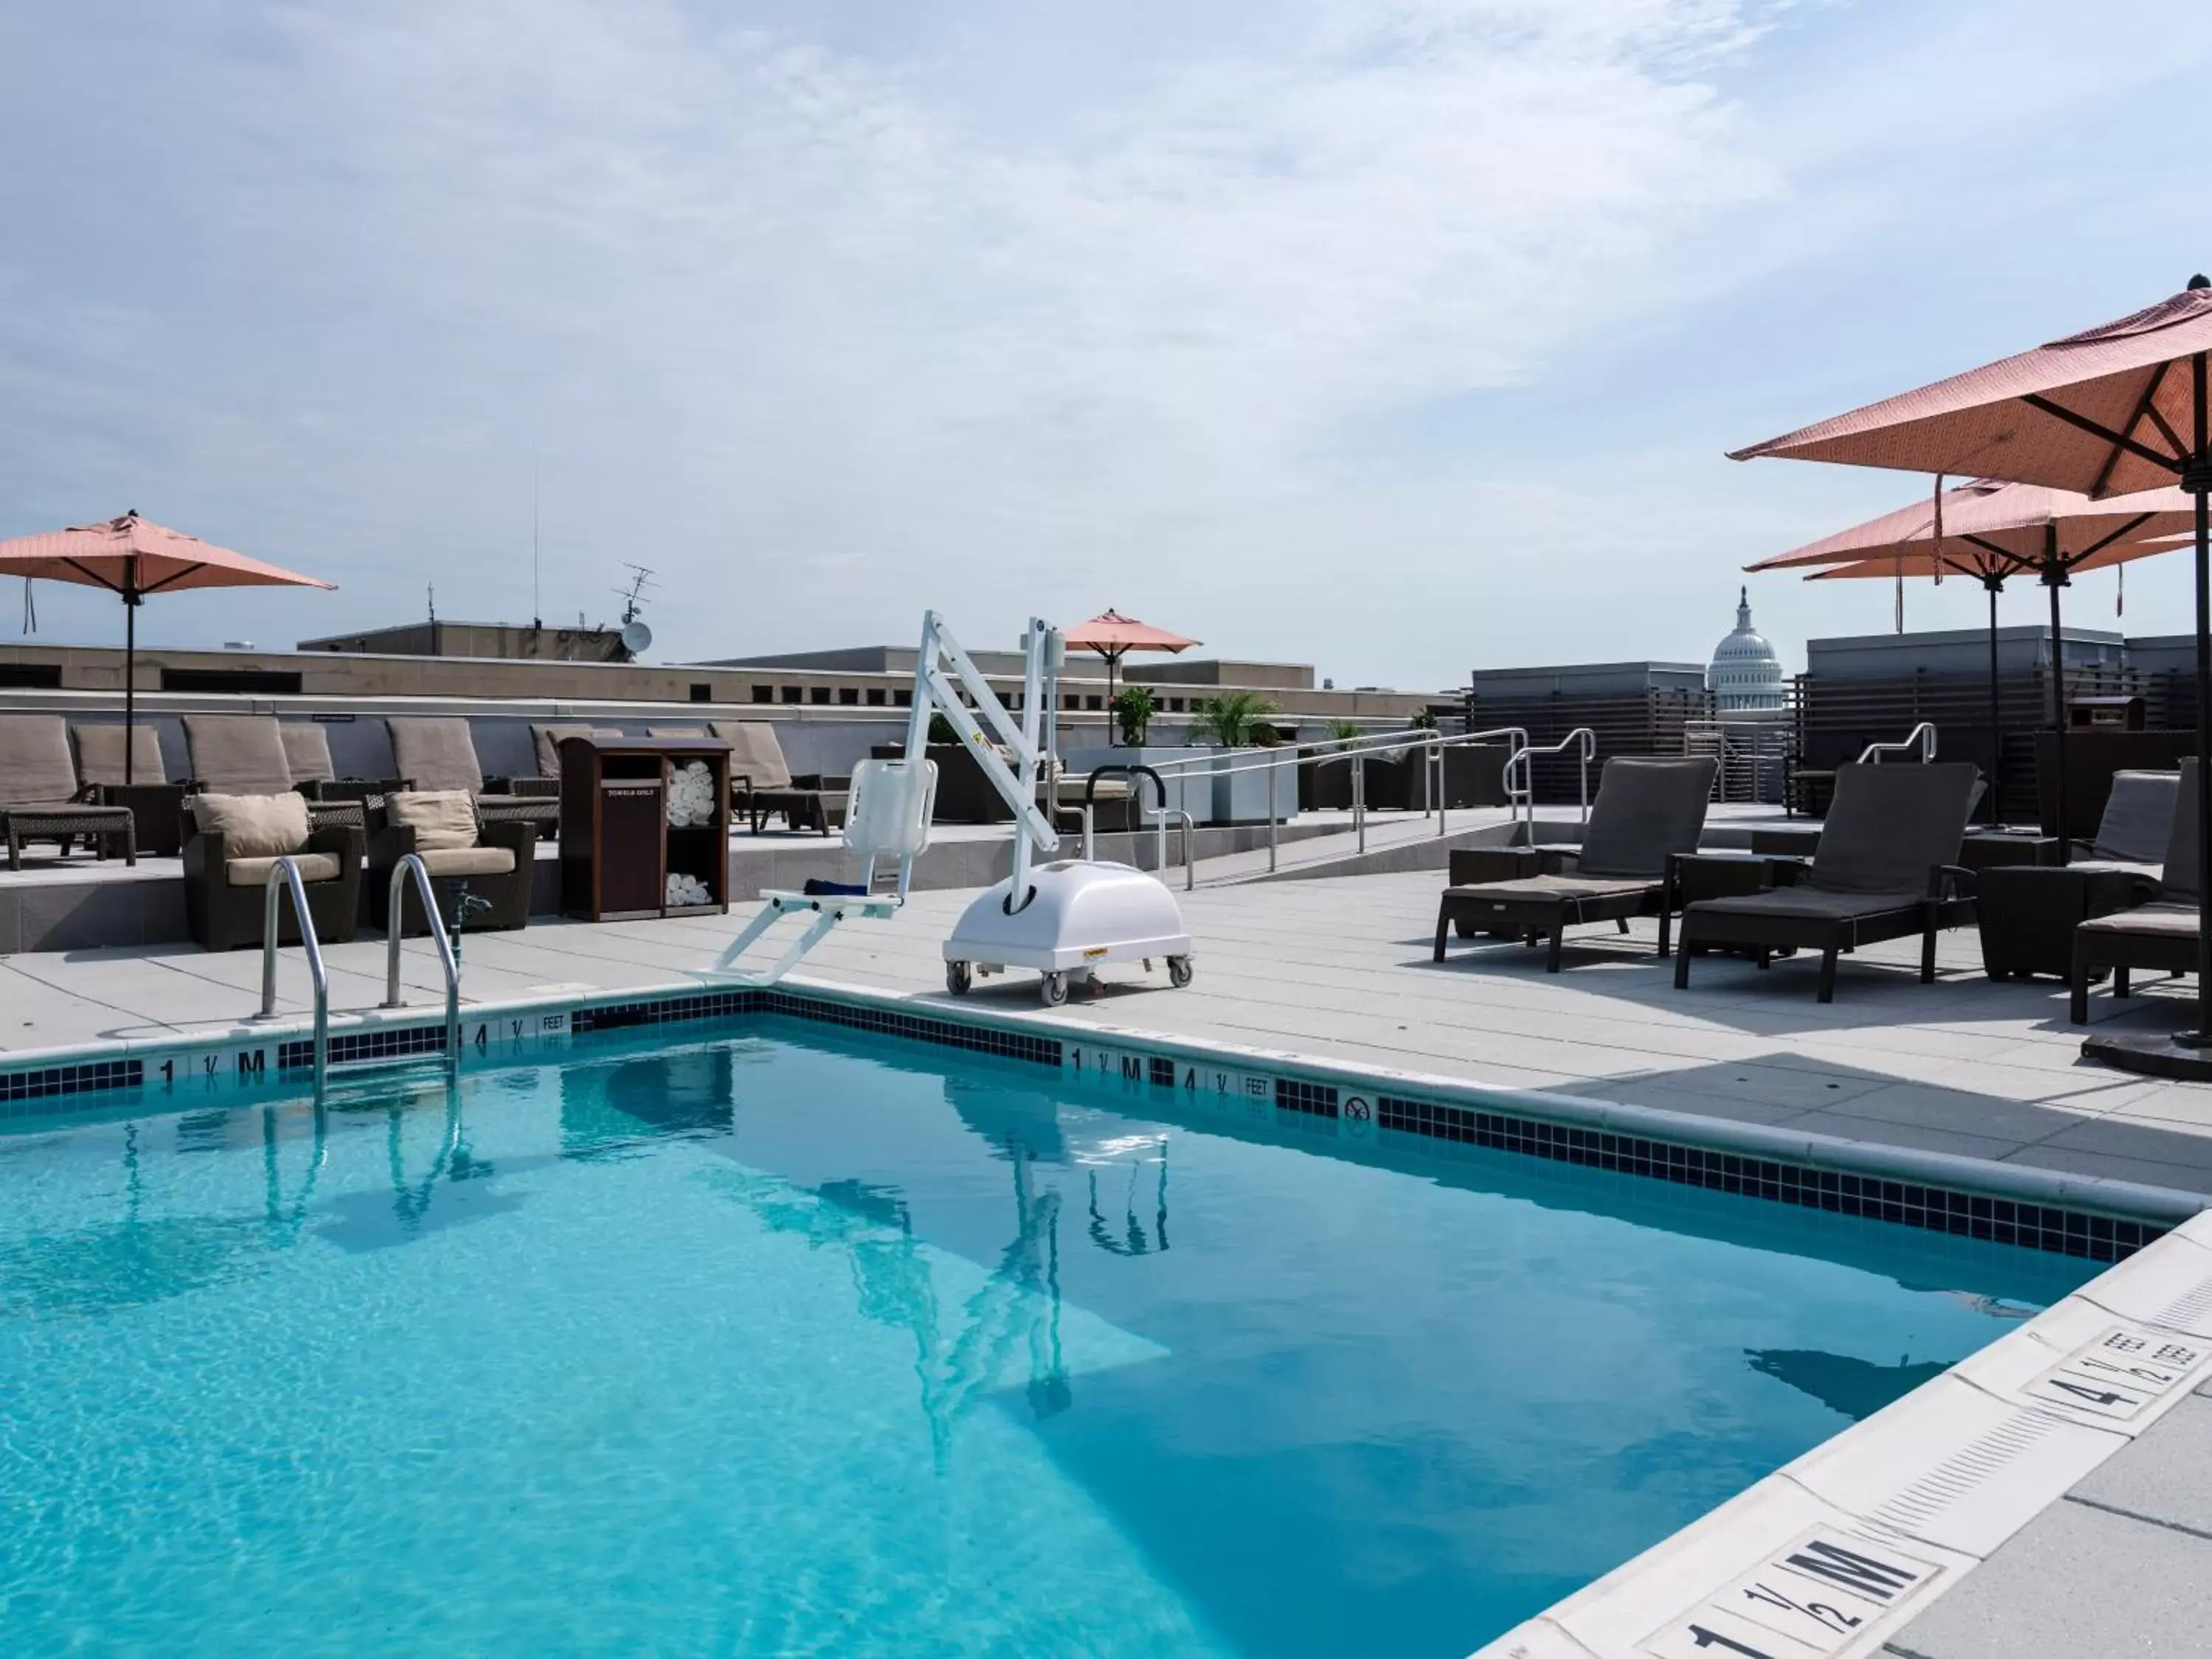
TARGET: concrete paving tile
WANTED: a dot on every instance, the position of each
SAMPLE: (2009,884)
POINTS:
(2166,1475)
(2135,1139)
(2075,1582)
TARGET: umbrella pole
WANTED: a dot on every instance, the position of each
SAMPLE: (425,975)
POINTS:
(129,670)
(2196,478)
(1995,585)
(2054,578)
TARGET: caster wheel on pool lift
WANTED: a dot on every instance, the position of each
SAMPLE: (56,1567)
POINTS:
(957,978)
(1053,989)
(1178,971)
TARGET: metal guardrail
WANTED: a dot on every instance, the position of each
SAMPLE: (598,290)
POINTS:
(1922,736)
(1521,799)
(283,875)
(412,864)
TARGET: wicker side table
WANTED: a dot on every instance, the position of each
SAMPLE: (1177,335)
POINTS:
(2028,912)
(62,822)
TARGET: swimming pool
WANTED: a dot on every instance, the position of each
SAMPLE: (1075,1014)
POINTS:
(797,1342)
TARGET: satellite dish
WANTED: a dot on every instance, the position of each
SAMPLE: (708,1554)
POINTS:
(636,638)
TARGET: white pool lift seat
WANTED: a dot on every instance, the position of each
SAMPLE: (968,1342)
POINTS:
(886,819)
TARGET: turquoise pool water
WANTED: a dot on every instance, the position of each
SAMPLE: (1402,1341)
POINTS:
(789,1344)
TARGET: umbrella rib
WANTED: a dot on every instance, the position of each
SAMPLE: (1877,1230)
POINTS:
(2011,559)
(2147,403)
(2104,542)
(173,576)
(2097,429)
(92,575)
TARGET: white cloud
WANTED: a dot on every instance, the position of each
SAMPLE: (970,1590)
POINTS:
(1224,314)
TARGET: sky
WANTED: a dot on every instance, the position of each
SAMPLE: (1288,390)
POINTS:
(1400,339)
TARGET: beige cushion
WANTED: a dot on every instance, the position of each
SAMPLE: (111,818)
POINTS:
(306,751)
(547,741)
(238,754)
(2173,920)
(442,819)
(755,754)
(254,873)
(35,767)
(254,826)
(470,862)
(99,754)
(435,754)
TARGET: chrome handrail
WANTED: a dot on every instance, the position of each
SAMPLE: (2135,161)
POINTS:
(394,929)
(1189,864)
(287,870)
(1922,736)
(1525,756)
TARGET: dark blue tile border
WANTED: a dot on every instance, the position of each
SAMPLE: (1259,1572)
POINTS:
(1875,1198)
(2004,1221)
(89,1077)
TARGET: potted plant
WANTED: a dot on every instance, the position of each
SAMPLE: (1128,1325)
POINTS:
(1132,713)
(1230,722)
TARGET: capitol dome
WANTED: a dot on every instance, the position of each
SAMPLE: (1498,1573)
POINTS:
(1745,674)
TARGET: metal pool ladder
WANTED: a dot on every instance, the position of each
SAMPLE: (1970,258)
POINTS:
(412,864)
(285,872)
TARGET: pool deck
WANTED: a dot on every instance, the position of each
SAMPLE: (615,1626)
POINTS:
(1339,968)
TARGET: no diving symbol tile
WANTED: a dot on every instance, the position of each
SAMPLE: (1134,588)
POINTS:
(2122,1372)
(1356,1117)
(1809,1600)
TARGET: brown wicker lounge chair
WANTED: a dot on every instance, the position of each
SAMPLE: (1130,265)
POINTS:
(236,840)
(1647,813)
(40,799)
(2160,936)
(762,783)
(438,754)
(306,752)
(2029,912)
(238,754)
(492,862)
(1886,867)
(155,804)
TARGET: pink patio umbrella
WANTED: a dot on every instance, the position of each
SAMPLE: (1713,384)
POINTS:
(1990,530)
(132,557)
(1113,636)
(2122,407)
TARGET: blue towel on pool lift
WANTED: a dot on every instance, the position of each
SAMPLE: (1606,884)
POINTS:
(817,888)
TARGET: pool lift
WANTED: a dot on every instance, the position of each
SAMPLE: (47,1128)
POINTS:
(1065,919)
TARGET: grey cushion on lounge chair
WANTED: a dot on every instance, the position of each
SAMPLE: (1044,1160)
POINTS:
(1888,826)
(238,754)
(2138,819)
(2179,880)
(1878,874)
(306,751)
(755,754)
(435,754)
(99,754)
(1646,811)
(36,769)
(1553,887)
